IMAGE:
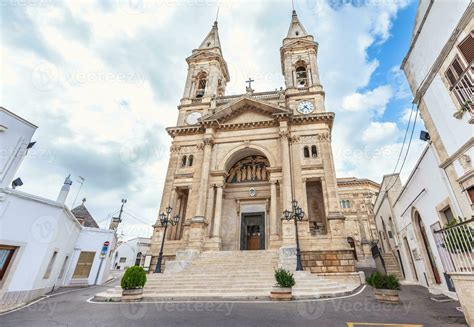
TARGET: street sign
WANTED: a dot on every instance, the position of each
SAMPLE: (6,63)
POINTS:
(105,248)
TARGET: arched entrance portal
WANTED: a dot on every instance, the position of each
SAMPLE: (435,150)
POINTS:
(426,249)
(248,193)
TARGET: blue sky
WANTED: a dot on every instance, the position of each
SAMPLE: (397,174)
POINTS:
(103,79)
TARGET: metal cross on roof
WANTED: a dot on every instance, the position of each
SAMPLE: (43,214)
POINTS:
(250,82)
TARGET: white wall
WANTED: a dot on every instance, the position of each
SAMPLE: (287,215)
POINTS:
(440,23)
(454,132)
(92,240)
(39,227)
(427,176)
(129,250)
(15,135)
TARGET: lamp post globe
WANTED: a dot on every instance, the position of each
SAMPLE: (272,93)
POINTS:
(164,221)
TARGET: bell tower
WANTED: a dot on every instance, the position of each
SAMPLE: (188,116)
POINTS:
(300,68)
(207,70)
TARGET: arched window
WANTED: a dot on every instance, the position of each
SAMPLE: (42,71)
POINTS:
(201,85)
(301,76)
(190,160)
(138,259)
(306,152)
(314,151)
(183,161)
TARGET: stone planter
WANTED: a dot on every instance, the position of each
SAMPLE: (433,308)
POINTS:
(132,295)
(387,296)
(281,294)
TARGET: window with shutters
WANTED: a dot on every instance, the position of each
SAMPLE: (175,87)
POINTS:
(84,265)
(460,80)
(466,47)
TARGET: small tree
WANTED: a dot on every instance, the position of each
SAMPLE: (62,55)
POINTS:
(134,277)
(284,278)
(388,282)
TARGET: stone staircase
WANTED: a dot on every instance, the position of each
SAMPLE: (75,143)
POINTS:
(237,275)
(391,265)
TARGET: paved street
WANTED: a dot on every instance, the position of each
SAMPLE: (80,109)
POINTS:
(72,309)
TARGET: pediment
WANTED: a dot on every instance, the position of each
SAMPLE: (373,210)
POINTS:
(244,110)
(299,43)
(202,55)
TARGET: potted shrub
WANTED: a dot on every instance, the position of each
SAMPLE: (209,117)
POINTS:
(282,290)
(132,284)
(386,288)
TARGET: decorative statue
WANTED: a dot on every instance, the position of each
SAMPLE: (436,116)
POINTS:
(252,168)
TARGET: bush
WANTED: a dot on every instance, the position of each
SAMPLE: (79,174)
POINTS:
(134,277)
(284,278)
(388,282)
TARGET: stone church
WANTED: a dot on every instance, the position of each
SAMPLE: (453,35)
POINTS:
(238,161)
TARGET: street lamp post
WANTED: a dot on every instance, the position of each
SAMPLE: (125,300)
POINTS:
(165,220)
(297,215)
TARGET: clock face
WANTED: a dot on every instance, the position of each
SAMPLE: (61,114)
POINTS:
(305,107)
(193,118)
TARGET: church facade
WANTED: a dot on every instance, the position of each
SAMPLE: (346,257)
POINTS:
(238,161)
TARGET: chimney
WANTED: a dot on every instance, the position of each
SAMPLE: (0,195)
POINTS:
(64,190)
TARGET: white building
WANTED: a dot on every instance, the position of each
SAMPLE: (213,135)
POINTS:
(406,218)
(131,253)
(412,218)
(42,243)
(438,67)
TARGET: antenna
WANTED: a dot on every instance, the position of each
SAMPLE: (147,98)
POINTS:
(293,4)
(81,181)
(217,13)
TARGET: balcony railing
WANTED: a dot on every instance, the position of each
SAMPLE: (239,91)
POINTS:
(463,89)
(456,247)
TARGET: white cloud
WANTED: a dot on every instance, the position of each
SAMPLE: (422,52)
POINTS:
(380,132)
(375,100)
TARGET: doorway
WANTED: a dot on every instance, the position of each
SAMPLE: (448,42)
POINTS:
(427,248)
(252,231)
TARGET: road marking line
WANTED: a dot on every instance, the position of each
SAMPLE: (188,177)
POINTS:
(363,324)
(232,301)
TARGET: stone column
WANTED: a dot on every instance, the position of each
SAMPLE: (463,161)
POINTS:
(314,73)
(216,231)
(176,211)
(288,229)
(203,186)
(210,206)
(336,220)
(172,204)
(285,163)
(273,211)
